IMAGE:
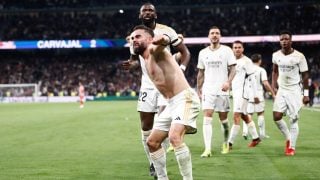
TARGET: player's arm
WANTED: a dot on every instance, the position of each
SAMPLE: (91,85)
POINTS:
(275,75)
(232,73)
(184,55)
(305,77)
(159,44)
(200,80)
(131,63)
(268,88)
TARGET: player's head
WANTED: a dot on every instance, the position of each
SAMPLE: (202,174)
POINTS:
(214,35)
(238,49)
(285,39)
(148,14)
(141,37)
(256,58)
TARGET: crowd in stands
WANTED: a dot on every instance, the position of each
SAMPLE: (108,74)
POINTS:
(58,73)
(234,20)
(99,71)
(40,4)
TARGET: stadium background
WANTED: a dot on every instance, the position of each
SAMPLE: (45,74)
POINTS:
(102,140)
(58,70)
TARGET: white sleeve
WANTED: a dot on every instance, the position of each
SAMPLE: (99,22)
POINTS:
(249,67)
(200,62)
(231,58)
(303,66)
(263,75)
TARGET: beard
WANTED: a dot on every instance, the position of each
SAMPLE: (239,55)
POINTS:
(138,49)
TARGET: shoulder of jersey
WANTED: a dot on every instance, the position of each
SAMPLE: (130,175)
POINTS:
(277,52)
(162,26)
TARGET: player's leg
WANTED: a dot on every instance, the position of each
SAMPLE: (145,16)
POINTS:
(234,129)
(250,111)
(237,109)
(280,106)
(157,152)
(294,106)
(185,111)
(223,116)
(147,119)
(252,130)
(262,125)
(207,131)
(182,152)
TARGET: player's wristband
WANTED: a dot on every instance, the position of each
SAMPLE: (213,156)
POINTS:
(306,92)
(183,67)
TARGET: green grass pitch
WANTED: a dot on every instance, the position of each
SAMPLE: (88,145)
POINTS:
(102,141)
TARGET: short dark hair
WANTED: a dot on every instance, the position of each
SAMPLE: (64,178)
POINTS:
(256,57)
(286,32)
(214,27)
(145,28)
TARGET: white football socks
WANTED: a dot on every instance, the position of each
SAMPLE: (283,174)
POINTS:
(144,136)
(234,132)
(159,162)
(183,157)
(283,128)
(262,127)
(252,130)
(294,132)
(207,132)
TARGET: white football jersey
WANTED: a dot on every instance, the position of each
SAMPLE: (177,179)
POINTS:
(261,75)
(215,64)
(289,67)
(244,68)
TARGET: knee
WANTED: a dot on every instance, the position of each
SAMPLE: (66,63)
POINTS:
(277,116)
(153,144)
(175,140)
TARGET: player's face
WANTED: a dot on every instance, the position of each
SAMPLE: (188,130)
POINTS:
(237,49)
(140,40)
(148,14)
(214,35)
(285,41)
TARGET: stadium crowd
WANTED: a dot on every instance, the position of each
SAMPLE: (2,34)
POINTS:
(79,19)
(80,23)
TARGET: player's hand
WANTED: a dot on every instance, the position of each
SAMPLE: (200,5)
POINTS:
(161,40)
(256,100)
(125,64)
(225,86)
(305,99)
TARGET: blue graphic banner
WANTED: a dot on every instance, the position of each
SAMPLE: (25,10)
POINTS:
(63,44)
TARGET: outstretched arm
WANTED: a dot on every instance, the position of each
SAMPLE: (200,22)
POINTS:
(160,43)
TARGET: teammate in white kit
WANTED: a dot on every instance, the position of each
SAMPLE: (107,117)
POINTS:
(261,81)
(288,63)
(242,95)
(215,62)
(150,101)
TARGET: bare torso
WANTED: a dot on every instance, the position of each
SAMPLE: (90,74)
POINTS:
(165,73)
